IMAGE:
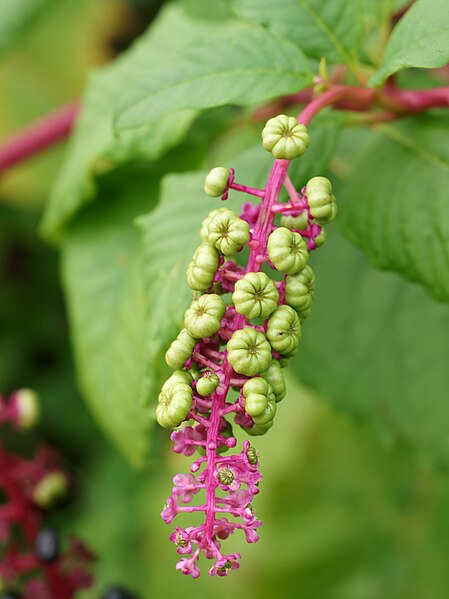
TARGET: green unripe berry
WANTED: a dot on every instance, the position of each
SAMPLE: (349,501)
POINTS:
(228,233)
(259,429)
(28,410)
(299,291)
(287,250)
(274,377)
(299,222)
(217,181)
(204,316)
(256,385)
(255,295)
(207,383)
(267,415)
(284,330)
(285,138)
(180,350)
(204,232)
(178,376)
(252,455)
(321,200)
(225,476)
(255,404)
(202,268)
(50,489)
(249,352)
(174,404)
(320,238)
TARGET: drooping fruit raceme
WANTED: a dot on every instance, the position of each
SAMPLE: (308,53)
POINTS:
(244,323)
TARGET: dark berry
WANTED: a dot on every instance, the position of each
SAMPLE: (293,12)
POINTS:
(47,545)
(10,596)
(117,592)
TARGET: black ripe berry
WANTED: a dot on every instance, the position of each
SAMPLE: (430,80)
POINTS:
(118,593)
(47,545)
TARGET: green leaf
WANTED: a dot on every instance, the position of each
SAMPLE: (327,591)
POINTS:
(244,66)
(15,16)
(376,347)
(318,27)
(395,206)
(94,148)
(420,39)
(102,272)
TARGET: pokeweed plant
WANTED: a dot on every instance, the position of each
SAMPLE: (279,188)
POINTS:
(239,332)
(246,317)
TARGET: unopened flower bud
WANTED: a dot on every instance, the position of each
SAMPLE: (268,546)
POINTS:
(285,138)
(287,250)
(216,182)
(255,295)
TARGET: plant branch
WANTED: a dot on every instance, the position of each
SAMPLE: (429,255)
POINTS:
(38,136)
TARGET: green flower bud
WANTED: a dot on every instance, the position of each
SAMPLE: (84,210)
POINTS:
(180,350)
(299,222)
(204,316)
(202,269)
(50,489)
(248,352)
(274,377)
(322,204)
(228,233)
(28,410)
(320,238)
(255,295)
(217,181)
(204,232)
(174,404)
(267,415)
(207,383)
(284,330)
(299,291)
(287,250)
(285,138)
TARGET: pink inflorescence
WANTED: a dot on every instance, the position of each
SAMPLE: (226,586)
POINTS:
(231,368)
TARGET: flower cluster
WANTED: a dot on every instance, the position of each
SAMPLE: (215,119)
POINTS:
(32,564)
(243,325)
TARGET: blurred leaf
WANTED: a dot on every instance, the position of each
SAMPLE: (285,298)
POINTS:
(15,16)
(107,308)
(244,66)
(94,148)
(376,347)
(420,39)
(400,219)
(318,27)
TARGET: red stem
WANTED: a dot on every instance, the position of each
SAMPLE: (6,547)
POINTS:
(38,136)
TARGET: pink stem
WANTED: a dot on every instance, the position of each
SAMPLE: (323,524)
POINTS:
(245,189)
(38,136)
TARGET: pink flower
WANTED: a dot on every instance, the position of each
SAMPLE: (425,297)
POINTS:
(185,487)
(225,564)
(170,510)
(182,439)
(188,566)
(181,539)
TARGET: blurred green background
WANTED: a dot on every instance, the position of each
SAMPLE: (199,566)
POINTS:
(347,513)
